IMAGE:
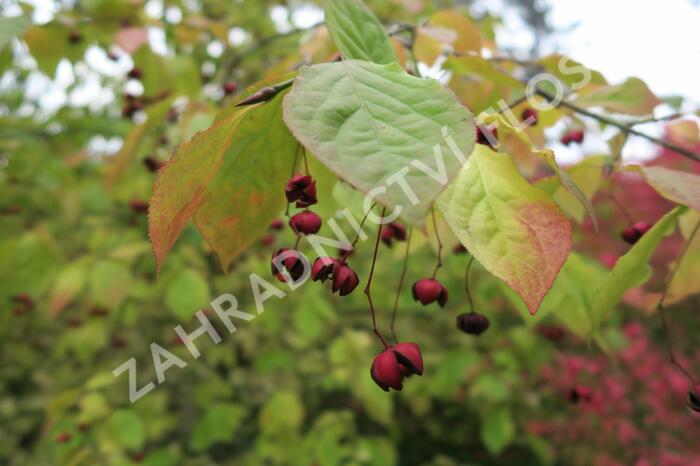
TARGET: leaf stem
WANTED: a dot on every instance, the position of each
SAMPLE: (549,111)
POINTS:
(368,287)
(404,269)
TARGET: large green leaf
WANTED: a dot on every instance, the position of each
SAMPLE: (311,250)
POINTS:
(367,122)
(632,269)
(357,33)
(511,227)
(247,193)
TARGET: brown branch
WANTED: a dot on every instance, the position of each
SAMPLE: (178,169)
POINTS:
(627,128)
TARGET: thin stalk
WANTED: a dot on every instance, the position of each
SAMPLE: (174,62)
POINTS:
(437,236)
(404,269)
(368,287)
(466,284)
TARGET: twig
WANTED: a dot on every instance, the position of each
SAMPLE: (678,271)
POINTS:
(662,310)
(368,287)
(400,286)
(624,127)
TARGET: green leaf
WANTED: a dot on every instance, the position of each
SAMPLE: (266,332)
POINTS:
(109,283)
(632,269)
(357,33)
(49,44)
(367,122)
(512,228)
(128,429)
(247,192)
(218,424)
(11,28)
(680,187)
(632,97)
(68,285)
(282,413)
(497,430)
(187,293)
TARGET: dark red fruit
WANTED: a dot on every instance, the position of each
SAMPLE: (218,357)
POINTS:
(429,290)
(396,362)
(633,233)
(553,333)
(153,164)
(323,268)
(578,394)
(276,224)
(24,299)
(74,37)
(305,223)
(75,323)
(459,249)
(135,73)
(301,189)
(138,206)
(530,113)
(64,437)
(345,280)
(230,87)
(137,457)
(574,135)
(694,399)
(393,231)
(473,323)
(291,262)
(99,311)
(487,136)
(267,240)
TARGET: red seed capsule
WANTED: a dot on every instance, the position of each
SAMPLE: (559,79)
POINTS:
(291,262)
(392,365)
(302,190)
(487,136)
(473,323)
(345,280)
(305,223)
(574,135)
(530,113)
(429,290)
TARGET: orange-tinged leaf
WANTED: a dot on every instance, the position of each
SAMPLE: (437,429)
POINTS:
(677,186)
(465,35)
(511,227)
(247,193)
(182,183)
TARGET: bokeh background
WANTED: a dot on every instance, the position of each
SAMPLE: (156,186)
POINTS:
(79,293)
